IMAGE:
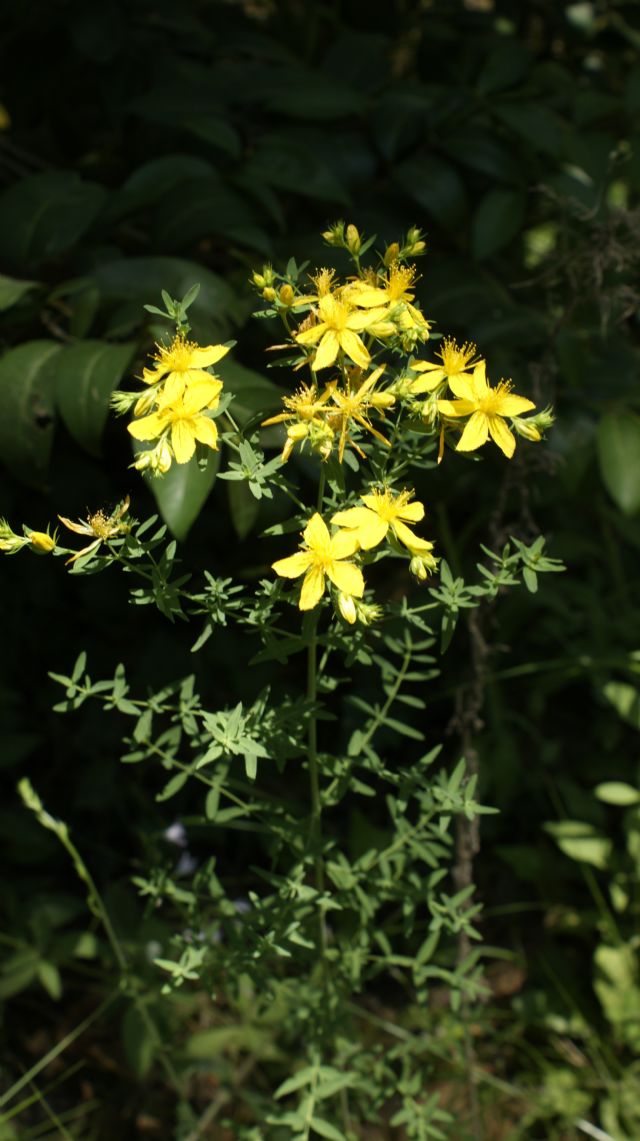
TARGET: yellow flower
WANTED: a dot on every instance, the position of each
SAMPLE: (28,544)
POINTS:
(337,331)
(394,291)
(100,527)
(456,362)
(184,417)
(182,363)
(306,409)
(486,406)
(355,403)
(384,511)
(323,555)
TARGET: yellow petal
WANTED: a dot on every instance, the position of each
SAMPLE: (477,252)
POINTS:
(172,389)
(475,434)
(312,588)
(211,354)
(512,405)
(205,431)
(327,350)
(310,336)
(368,298)
(457,407)
(183,440)
(200,394)
(347,577)
(462,386)
(294,565)
(354,348)
(343,544)
(352,517)
(316,534)
(502,435)
(79,528)
(479,379)
(147,428)
(427,383)
(411,512)
(405,535)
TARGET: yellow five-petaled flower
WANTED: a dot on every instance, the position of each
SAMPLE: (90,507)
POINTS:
(184,417)
(323,556)
(487,408)
(181,364)
(337,331)
(384,511)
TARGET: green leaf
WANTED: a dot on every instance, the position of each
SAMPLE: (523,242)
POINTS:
(625,700)
(194,109)
(326,1129)
(200,207)
(140,280)
(243,507)
(27,410)
(11,290)
(436,186)
(580,841)
(85,376)
(302,93)
(139,1043)
(497,220)
(173,786)
(618,443)
(253,394)
(290,163)
(616,792)
(45,214)
(49,976)
(183,491)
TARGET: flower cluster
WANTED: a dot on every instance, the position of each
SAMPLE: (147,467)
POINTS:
(381,515)
(347,326)
(175,410)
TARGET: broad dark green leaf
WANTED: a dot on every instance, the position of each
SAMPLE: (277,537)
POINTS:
(302,93)
(12,290)
(288,163)
(45,214)
(139,280)
(27,409)
(253,394)
(244,508)
(496,221)
(618,442)
(85,376)
(183,491)
(206,207)
(151,181)
(195,109)
(436,186)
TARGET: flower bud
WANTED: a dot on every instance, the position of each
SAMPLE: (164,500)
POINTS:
(368,613)
(145,403)
(415,244)
(421,566)
(353,239)
(334,236)
(286,295)
(347,607)
(258,280)
(528,429)
(269,293)
(9,541)
(42,542)
(391,254)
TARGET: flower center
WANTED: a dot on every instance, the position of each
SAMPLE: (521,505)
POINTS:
(178,357)
(456,359)
(490,403)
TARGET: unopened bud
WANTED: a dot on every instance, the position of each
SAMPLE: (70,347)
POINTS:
(421,566)
(353,239)
(286,295)
(415,244)
(42,542)
(391,254)
(144,403)
(347,607)
(10,543)
(258,280)
(269,293)
(368,613)
(528,429)
(334,236)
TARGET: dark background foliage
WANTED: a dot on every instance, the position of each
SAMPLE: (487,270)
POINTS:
(150,145)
